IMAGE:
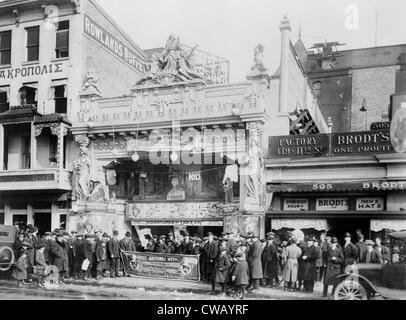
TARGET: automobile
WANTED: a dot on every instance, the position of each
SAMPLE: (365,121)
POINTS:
(7,259)
(365,281)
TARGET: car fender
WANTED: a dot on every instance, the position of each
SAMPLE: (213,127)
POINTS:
(361,279)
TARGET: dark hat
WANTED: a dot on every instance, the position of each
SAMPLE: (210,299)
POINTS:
(89,236)
(65,233)
(223,249)
(22,251)
(170,233)
(269,237)
(198,240)
(155,236)
(209,233)
(205,239)
(48,233)
(128,234)
(215,238)
(334,240)
(115,233)
(263,240)
(270,234)
(39,245)
(347,234)
(79,235)
(162,237)
(360,236)
(57,230)
(99,231)
(73,232)
(239,255)
(369,243)
(25,243)
(105,234)
(224,234)
(32,229)
(21,232)
(254,235)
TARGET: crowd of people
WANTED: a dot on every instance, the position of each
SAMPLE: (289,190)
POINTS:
(235,262)
(70,254)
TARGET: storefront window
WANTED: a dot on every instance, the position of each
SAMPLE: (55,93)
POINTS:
(147,182)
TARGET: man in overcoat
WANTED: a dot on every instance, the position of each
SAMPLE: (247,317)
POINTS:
(31,238)
(309,257)
(371,255)
(350,251)
(334,260)
(113,249)
(186,245)
(290,273)
(361,246)
(269,260)
(60,256)
(210,257)
(254,263)
(325,248)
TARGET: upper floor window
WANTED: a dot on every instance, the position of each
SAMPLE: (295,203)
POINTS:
(62,40)
(32,43)
(5,47)
(317,86)
(28,94)
(60,95)
(4,98)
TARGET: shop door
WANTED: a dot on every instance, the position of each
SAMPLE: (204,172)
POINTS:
(339,226)
(43,222)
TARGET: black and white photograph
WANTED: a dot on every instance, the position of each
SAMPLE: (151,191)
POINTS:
(225,151)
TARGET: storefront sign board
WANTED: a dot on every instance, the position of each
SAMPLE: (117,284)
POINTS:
(370,204)
(332,204)
(296,204)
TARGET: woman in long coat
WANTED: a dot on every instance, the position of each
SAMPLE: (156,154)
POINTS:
(270,262)
(334,259)
(290,273)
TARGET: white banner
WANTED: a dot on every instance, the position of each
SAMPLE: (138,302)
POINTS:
(318,224)
(396,225)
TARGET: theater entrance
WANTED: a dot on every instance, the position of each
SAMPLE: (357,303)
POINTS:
(339,226)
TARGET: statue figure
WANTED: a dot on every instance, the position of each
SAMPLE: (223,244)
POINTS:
(259,59)
(90,84)
(82,175)
(228,190)
(173,65)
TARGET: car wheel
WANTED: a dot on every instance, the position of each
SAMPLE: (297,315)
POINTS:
(350,290)
(6,258)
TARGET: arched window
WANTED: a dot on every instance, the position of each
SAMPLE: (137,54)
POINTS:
(317,88)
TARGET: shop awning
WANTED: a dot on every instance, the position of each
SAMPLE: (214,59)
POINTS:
(395,225)
(336,186)
(318,224)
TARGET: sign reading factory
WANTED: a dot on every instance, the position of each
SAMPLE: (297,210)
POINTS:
(342,144)
(162,265)
(112,44)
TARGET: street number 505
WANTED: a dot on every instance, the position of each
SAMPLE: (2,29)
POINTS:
(322,186)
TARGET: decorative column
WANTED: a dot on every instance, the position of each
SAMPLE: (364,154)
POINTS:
(33,151)
(284,68)
(1,147)
(60,130)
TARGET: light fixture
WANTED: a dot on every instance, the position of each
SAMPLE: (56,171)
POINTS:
(90,124)
(135,157)
(364,106)
(174,156)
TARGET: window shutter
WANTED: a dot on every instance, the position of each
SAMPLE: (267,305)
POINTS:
(62,39)
(33,36)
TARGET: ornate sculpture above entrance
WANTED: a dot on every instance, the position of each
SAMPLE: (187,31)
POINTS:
(174,65)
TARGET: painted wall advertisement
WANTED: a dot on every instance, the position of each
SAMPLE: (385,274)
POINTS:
(342,144)
(155,265)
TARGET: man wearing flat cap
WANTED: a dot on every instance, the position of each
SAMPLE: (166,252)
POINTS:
(334,258)
(79,255)
(254,263)
(371,255)
(31,238)
(350,251)
(60,257)
(113,249)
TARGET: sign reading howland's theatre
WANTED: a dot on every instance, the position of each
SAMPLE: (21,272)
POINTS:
(342,144)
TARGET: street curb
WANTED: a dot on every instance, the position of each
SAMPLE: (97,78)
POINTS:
(94,283)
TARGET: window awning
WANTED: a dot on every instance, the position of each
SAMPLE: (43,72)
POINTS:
(396,225)
(336,186)
(318,224)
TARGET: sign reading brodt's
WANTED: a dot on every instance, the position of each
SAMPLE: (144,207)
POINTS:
(156,265)
(342,144)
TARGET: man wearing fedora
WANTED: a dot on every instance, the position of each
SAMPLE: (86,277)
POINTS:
(254,263)
(350,251)
(309,257)
(269,260)
(113,249)
(31,238)
(334,259)
(210,257)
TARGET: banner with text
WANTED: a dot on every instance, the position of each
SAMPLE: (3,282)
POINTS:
(155,265)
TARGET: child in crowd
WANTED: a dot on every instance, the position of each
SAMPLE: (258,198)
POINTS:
(222,267)
(40,264)
(240,274)
(20,270)
(101,255)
